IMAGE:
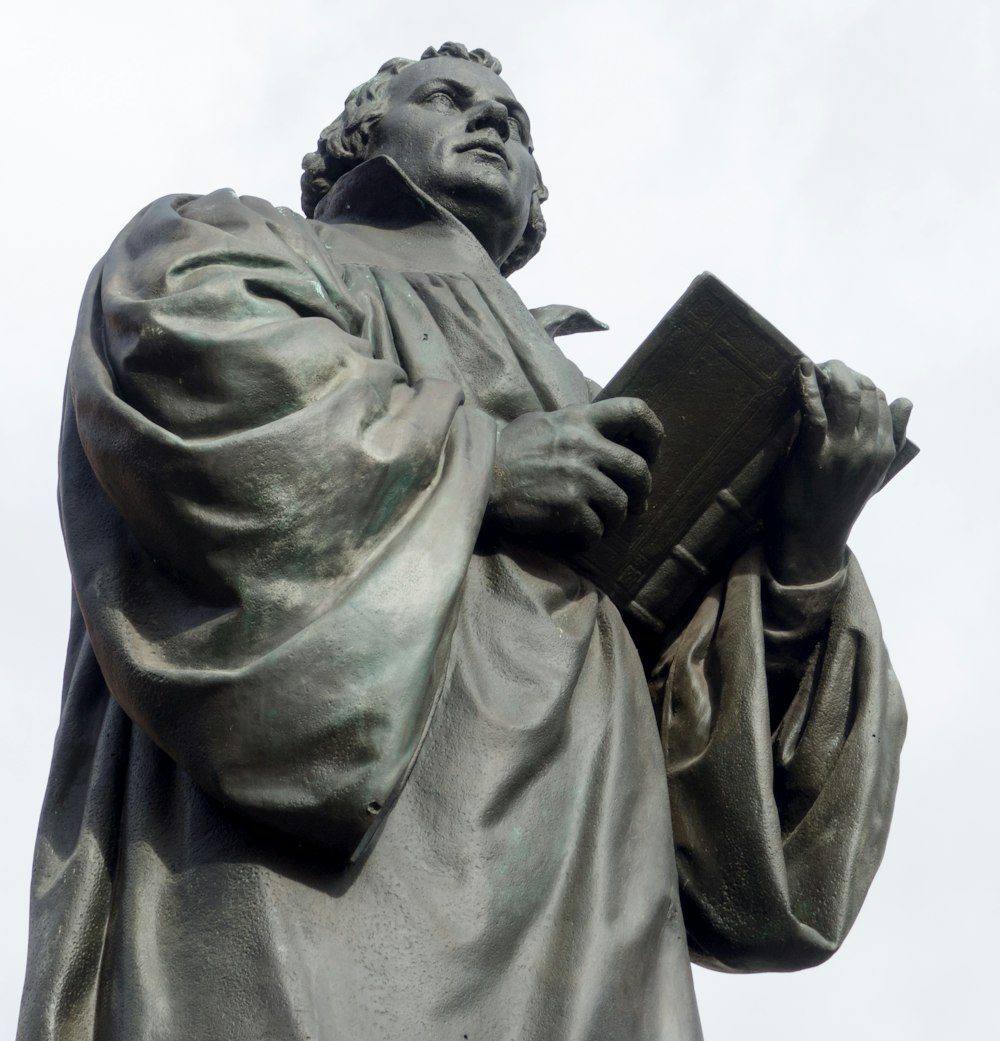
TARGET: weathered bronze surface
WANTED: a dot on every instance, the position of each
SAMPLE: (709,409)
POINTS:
(348,749)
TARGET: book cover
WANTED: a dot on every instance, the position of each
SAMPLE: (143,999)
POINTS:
(722,380)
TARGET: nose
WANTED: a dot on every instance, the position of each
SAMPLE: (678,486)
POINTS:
(490,114)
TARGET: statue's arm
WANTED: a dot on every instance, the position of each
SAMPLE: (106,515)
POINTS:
(253,505)
(847,440)
(782,719)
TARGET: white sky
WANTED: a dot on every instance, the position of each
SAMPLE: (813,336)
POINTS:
(837,162)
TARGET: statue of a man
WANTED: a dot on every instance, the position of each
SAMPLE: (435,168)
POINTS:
(344,754)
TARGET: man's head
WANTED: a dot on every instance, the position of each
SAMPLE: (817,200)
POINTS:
(457,131)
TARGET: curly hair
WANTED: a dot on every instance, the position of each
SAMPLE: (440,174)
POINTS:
(343,145)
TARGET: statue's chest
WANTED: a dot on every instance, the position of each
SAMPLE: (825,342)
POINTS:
(452,326)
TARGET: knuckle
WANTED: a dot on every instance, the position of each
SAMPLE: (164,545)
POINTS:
(639,412)
(572,489)
(631,464)
(634,470)
(650,418)
(642,477)
(572,442)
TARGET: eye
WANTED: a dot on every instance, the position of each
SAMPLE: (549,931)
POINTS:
(440,99)
(516,128)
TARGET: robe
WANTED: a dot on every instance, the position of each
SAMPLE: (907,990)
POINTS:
(335,762)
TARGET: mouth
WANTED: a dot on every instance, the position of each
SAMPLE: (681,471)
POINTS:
(487,147)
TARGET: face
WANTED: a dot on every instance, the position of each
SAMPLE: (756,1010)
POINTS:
(455,128)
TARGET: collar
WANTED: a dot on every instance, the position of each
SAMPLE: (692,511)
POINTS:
(377,191)
(378,204)
(383,218)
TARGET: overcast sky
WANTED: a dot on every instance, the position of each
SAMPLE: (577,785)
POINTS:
(837,162)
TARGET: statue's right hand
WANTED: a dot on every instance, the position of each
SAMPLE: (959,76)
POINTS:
(577,471)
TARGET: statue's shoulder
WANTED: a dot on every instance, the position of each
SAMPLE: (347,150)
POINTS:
(221,219)
(221,207)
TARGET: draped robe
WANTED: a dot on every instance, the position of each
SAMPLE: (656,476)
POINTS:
(333,763)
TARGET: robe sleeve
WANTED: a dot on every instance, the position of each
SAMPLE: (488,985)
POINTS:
(268,528)
(782,723)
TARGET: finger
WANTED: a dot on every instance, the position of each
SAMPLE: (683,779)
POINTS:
(629,472)
(885,434)
(606,500)
(867,426)
(842,398)
(583,526)
(812,430)
(900,409)
(822,378)
(630,422)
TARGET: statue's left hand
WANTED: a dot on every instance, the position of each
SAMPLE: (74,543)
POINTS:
(847,438)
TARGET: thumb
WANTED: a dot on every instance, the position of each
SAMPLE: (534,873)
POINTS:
(900,411)
(812,431)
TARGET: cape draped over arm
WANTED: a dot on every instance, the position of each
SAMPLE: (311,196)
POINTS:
(782,722)
(254,533)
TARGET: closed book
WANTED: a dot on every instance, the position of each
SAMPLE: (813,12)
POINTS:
(722,380)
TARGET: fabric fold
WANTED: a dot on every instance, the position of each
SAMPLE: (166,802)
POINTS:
(780,817)
(254,537)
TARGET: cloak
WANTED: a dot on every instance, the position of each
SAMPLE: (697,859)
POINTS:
(335,764)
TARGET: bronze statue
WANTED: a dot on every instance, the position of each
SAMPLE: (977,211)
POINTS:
(348,748)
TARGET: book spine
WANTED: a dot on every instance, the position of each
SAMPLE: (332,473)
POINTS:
(724,528)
